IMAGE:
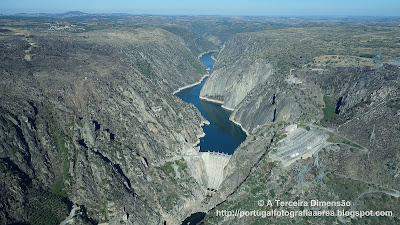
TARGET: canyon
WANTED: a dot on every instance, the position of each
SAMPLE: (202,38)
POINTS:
(93,129)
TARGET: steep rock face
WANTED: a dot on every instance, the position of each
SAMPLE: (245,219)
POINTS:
(86,116)
(268,105)
(351,90)
(368,115)
(345,94)
(364,108)
(235,74)
(366,105)
(354,88)
(282,93)
(346,174)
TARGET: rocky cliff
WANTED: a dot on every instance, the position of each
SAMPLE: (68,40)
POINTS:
(87,117)
(330,83)
(236,74)
(257,75)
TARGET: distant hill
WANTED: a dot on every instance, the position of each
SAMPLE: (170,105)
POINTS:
(74,13)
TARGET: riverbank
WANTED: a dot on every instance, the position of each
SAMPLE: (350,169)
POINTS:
(190,85)
(203,53)
(211,100)
(240,125)
(213,58)
(198,82)
(227,108)
(221,134)
(200,136)
(216,101)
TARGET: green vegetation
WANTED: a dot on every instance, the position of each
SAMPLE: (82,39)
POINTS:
(394,104)
(181,164)
(58,138)
(171,197)
(302,125)
(46,208)
(272,193)
(256,190)
(363,103)
(144,68)
(170,201)
(329,109)
(179,120)
(333,138)
(58,187)
(367,56)
(353,144)
(282,123)
(193,62)
(167,167)
(103,209)
(279,137)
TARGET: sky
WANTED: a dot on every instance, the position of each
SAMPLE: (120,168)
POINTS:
(210,7)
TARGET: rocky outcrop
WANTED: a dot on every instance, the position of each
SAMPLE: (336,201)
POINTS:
(365,101)
(342,94)
(85,118)
(274,105)
(268,76)
(235,74)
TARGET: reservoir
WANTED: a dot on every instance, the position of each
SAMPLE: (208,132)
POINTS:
(222,135)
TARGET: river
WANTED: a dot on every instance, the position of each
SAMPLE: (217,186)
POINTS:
(222,135)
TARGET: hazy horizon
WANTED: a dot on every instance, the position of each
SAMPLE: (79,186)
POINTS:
(208,7)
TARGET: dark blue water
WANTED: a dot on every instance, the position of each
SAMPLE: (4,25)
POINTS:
(222,135)
(194,219)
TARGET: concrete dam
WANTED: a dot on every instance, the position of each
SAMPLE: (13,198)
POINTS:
(214,165)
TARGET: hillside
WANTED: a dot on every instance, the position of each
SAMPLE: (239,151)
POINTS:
(84,115)
(343,87)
